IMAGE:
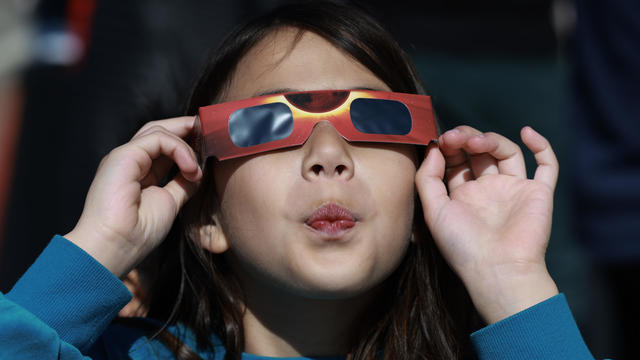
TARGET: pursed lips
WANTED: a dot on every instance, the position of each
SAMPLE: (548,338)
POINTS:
(331,219)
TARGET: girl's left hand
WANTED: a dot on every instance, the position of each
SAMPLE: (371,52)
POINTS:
(492,224)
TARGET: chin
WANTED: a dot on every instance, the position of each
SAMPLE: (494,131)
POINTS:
(336,285)
(341,273)
(335,293)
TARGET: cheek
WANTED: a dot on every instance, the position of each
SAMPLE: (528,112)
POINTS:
(251,196)
(391,177)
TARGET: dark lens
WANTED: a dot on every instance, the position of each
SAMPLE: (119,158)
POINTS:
(380,116)
(260,124)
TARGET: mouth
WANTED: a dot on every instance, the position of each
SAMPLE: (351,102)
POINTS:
(331,220)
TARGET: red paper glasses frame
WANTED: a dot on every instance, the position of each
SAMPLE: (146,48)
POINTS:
(250,126)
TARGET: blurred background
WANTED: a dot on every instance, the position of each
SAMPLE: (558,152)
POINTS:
(79,77)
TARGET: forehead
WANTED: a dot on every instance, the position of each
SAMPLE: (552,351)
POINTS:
(294,60)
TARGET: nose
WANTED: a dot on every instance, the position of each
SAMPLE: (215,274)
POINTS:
(326,154)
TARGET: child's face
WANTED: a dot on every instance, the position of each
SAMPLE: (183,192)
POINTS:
(266,200)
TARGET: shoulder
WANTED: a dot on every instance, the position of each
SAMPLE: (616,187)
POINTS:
(141,338)
(128,338)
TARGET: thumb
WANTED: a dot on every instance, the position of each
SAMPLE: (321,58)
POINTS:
(181,190)
(429,182)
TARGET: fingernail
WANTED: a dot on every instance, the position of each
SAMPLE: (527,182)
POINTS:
(432,144)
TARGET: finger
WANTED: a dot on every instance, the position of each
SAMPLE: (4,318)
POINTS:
(483,164)
(181,190)
(506,156)
(458,168)
(148,148)
(547,170)
(162,165)
(430,185)
(156,128)
(180,126)
(480,163)
(159,169)
(451,144)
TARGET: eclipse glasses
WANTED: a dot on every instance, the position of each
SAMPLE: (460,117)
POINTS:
(251,126)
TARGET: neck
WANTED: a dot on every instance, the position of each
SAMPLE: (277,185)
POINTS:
(283,325)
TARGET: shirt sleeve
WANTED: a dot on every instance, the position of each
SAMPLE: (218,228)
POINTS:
(71,293)
(24,336)
(544,331)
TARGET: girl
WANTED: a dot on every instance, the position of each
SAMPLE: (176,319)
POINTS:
(296,241)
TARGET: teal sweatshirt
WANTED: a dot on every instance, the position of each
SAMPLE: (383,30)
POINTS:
(63,306)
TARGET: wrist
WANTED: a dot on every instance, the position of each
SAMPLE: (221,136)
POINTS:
(498,294)
(119,257)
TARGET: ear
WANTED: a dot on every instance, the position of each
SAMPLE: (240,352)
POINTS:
(136,306)
(212,238)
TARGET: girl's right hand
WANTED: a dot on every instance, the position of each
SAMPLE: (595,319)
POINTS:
(126,214)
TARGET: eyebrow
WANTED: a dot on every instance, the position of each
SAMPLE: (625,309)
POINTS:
(286,90)
(275,91)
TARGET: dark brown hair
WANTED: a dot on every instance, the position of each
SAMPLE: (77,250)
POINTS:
(197,289)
